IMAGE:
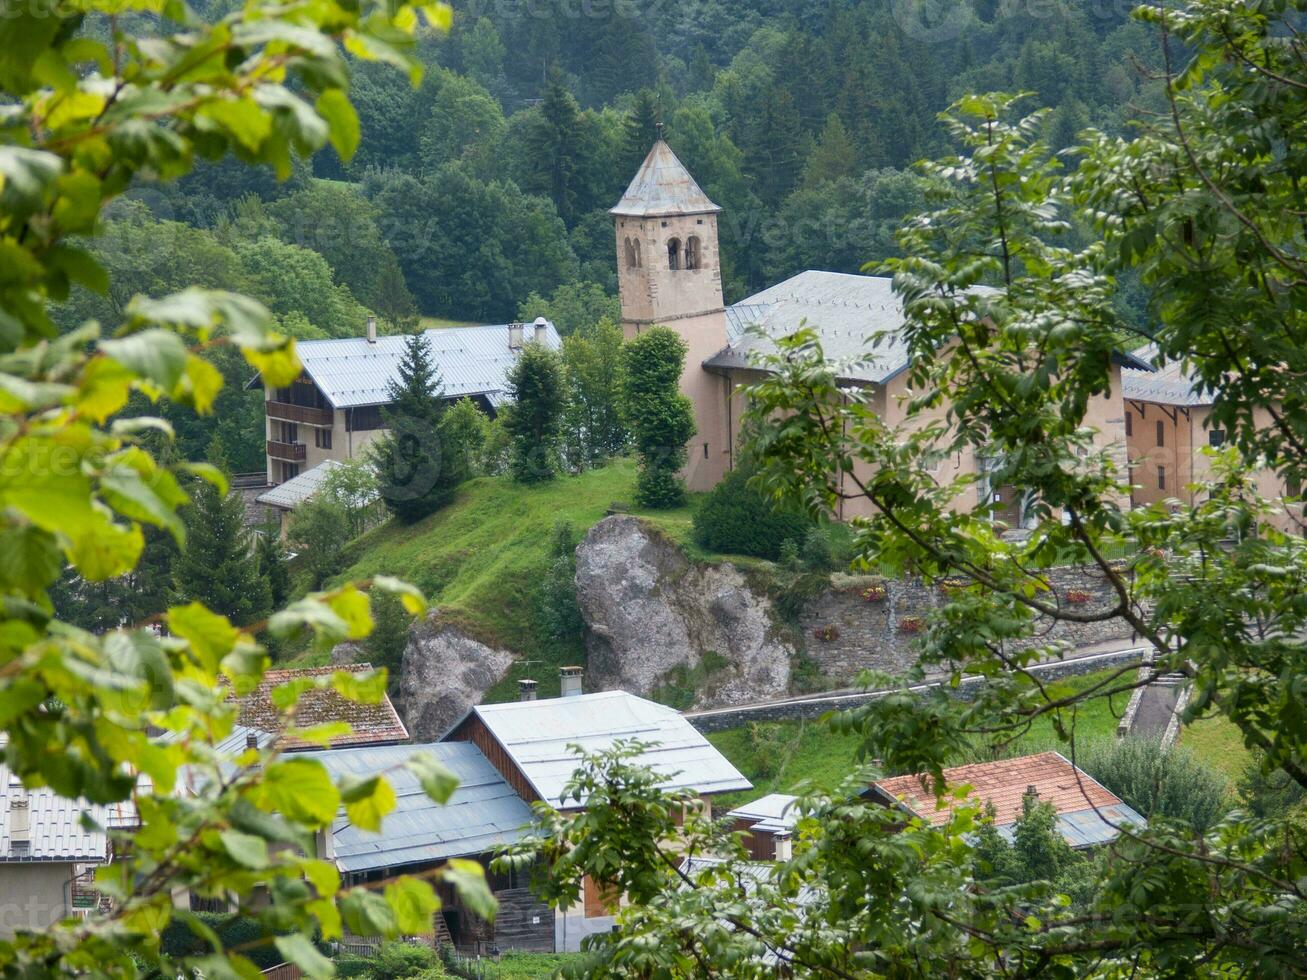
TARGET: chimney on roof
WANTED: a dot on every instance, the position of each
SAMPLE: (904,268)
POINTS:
(526,689)
(20,820)
(540,326)
(251,740)
(515,336)
(372,329)
(569,681)
(784,846)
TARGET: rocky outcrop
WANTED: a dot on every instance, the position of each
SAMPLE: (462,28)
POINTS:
(656,619)
(443,673)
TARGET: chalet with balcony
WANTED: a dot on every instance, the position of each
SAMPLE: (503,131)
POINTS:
(333,409)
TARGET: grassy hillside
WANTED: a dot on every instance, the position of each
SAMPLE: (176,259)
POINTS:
(483,559)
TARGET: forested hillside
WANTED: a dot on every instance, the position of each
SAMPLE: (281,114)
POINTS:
(482,193)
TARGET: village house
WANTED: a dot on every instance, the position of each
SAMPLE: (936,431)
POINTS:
(370,724)
(48,855)
(333,409)
(767,826)
(669,274)
(1168,426)
(1088,813)
(530,743)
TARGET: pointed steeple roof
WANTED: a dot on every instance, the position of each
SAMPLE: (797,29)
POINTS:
(662,186)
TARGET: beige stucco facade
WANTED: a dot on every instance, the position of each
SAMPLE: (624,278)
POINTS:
(299,437)
(34,894)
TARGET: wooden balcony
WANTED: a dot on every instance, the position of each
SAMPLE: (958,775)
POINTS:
(298,413)
(291,452)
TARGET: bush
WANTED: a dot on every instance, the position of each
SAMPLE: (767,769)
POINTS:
(253,940)
(1268,795)
(558,606)
(1170,783)
(402,961)
(737,519)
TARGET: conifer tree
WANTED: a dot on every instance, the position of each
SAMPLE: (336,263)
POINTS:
(535,419)
(640,130)
(553,148)
(834,156)
(412,477)
(272,565)
(660,417)
(217,566)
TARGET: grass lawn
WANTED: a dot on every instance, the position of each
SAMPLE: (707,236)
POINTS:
(482,559)
(1217,742)
(779,757)
(526,966)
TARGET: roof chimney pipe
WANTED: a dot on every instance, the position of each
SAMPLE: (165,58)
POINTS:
(515,336)
(526,689)
(541,325)
(372,329)
(569,681)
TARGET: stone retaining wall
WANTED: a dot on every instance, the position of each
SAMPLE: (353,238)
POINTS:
(845,634)
(721,719)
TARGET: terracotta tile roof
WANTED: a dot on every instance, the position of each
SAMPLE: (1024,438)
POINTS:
(1004,783)
(374,724)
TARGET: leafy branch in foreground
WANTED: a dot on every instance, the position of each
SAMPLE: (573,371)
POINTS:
(97,95)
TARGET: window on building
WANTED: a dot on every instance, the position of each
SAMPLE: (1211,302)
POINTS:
(1216,438)
(673,253)
(1293,485)
(289,432)
(692,256)
(364,419)
(1161,478)
(1161,433)
(636,245)
(322,438)
(631,261)
(1129,427)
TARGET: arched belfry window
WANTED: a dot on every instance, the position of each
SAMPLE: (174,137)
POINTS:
(629,250)
(636,246)
(693,260)
(673,253)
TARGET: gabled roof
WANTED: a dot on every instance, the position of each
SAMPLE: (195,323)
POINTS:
(300,488)
(483,813)
(352,373)
(537,736)
(662,187)
(372,723)
(1163,382)
(773,814)
(844,310)
(55,831)
(1078,798)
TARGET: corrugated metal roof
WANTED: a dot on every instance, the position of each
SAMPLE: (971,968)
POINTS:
(844,310)
(772,813)
(1166,383)
(55,830)
(483,813)
(471,361)
(663,187)
(537,735)
(300,488)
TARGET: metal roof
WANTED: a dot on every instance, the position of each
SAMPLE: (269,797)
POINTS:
(483,813)
(471,361)
(537,735)
(662,187)
(858,319)
(844,310)
(1164,382)
(300,488)
(774,813)
(55,828)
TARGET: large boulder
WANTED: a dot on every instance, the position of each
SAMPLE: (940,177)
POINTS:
(656,619)
(444,672)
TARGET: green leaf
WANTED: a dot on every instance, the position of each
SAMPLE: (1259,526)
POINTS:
(211,636)
(414,903)
(300,790)
(105,550)
(342,122)
(437,780)
(299,949)
(123,489)
(30,559)
(242,119)
(469,880)
(368,914)
(410,595)
(155,354)
(351,605)
(367,801)
(245,849)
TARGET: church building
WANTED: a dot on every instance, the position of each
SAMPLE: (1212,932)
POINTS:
(669,274)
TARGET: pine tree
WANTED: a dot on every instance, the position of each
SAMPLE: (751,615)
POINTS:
(833,157)
(411,476)
(779,145)
(218,566)
(272,565)
(535,419)
(640,129)
(553,146)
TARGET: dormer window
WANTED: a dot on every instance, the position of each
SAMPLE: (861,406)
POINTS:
(673,254)
(692,257)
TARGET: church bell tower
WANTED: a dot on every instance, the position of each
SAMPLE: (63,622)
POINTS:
(669,274)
